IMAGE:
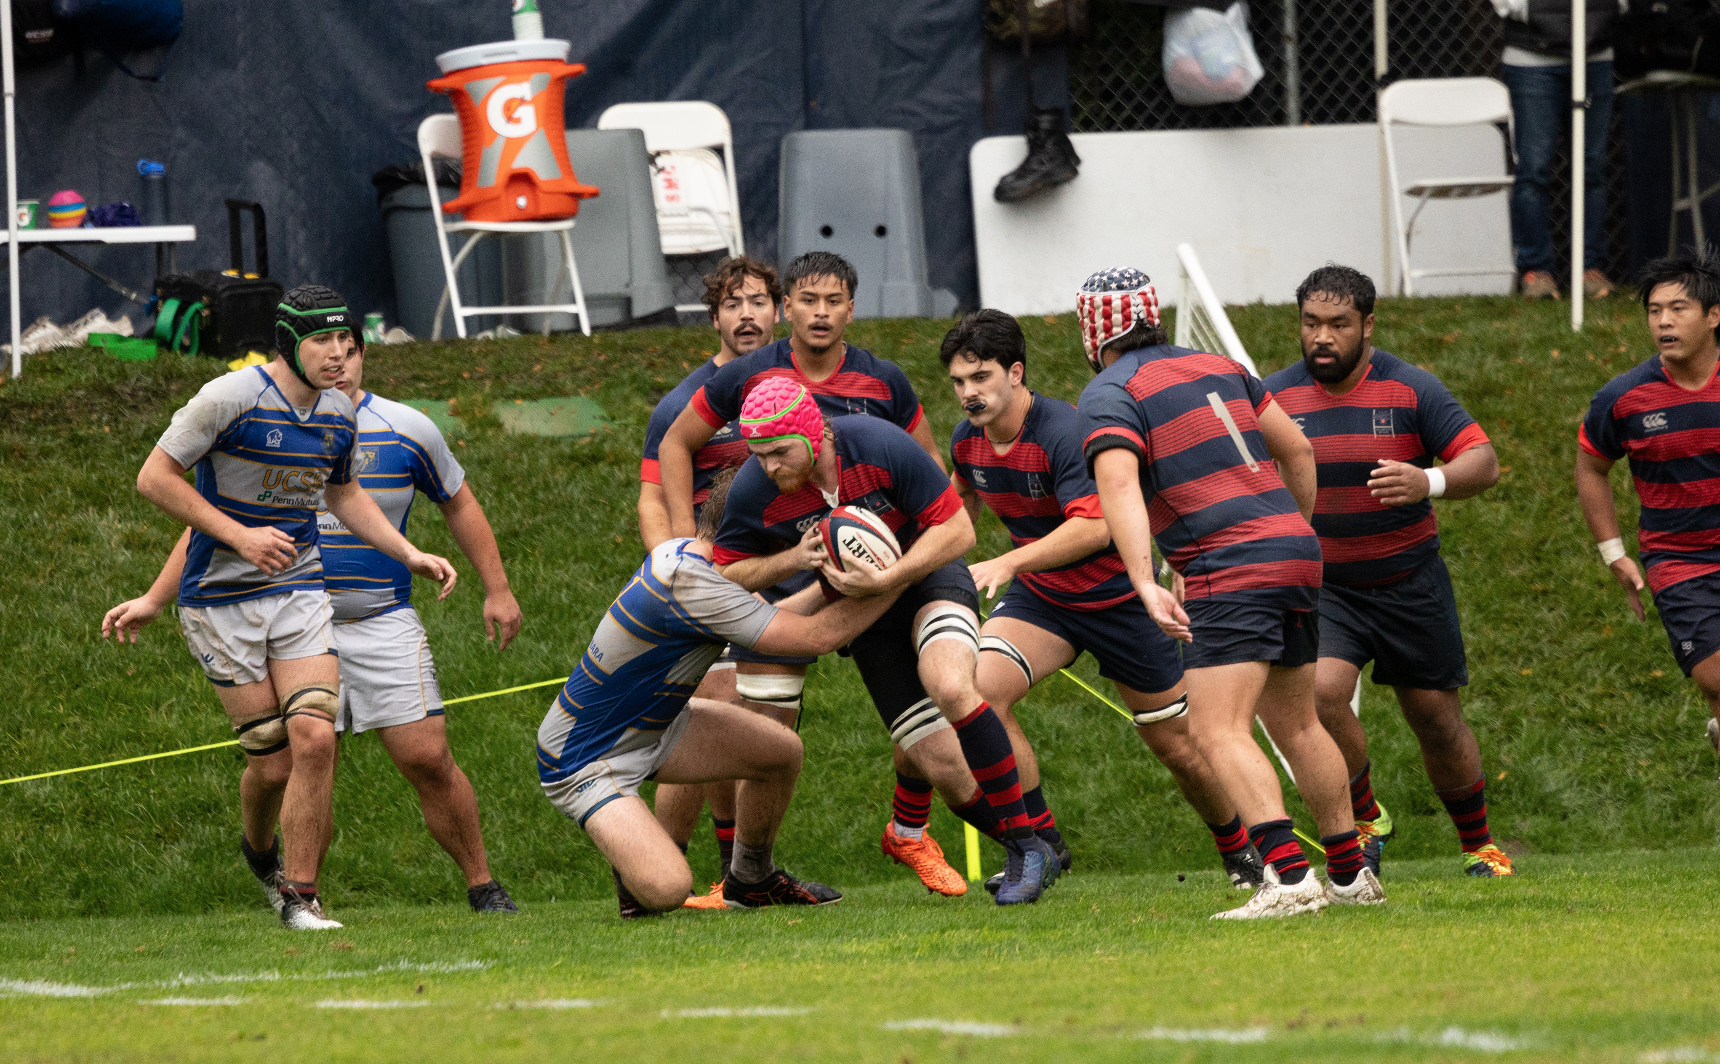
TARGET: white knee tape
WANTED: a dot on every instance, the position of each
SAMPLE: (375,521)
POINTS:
(773,689)
(1170,712)
(263,736)
(947,621)
(921,719)
(999,645)
(311,700)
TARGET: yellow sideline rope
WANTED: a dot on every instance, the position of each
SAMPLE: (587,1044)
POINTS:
(235,742)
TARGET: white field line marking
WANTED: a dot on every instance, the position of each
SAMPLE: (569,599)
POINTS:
(43,988)
(1679,1055)
(1458,1038)
(978,1030)
(556,1003)
(197,1001)
(721,1012)
(1217,1034)
(336,1003)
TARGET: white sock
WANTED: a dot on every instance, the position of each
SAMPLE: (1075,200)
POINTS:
(909,833)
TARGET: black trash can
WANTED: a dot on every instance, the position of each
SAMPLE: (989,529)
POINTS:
(418,276)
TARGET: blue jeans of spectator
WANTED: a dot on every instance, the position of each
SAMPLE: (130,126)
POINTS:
(1540,104)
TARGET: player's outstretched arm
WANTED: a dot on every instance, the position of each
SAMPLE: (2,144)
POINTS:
(1594,493)
(1071,541)
(130,616)
(162,482)
(675,468)
(767,570)
(1294,455)
(1467,475)
(654,525)
(355,509)
(1118,473)
(824,632)
(477,542)
(936,547)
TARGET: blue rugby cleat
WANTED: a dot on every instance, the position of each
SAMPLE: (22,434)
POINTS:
(1030,867)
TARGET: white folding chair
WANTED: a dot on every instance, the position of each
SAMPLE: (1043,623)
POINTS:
(1439,102)
(697,197)
(439,137)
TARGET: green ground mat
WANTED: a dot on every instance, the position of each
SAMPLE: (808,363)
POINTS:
(569,415)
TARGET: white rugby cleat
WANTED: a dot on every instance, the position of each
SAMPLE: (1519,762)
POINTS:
(1366,890)
(1274,900)
(299,913)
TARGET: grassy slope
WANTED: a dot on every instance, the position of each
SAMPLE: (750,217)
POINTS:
(1567,963)
(1591,737)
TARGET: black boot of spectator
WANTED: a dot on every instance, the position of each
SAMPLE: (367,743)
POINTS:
(1051,158)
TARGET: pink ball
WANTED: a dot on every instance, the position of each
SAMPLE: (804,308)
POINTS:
(66,209)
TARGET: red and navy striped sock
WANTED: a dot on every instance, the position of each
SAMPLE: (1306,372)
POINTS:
(980,814)
(1229,837)
(1038,813)
(912,806)
(1467,807)
(1277,844)
(1343,857)
(1362,795)
(991,759)
(725,841)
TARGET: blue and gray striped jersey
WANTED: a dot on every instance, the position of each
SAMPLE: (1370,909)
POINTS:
(400,452)
(261,462)
(647,656)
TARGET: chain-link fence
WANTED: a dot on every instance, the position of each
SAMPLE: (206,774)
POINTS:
(1319,62)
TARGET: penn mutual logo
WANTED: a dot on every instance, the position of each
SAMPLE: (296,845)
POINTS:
(1654,421)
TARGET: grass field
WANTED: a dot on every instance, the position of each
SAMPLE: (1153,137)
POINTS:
(125,882)
(1577,960)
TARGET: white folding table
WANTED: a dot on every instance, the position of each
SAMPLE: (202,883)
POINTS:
(56,240)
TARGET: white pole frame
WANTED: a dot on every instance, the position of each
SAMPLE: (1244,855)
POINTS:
(10,86)
(1381,68)
(1579,142)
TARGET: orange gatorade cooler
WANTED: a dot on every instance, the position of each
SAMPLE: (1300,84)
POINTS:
(508,97)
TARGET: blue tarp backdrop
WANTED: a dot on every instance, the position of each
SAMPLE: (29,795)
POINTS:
(295,105)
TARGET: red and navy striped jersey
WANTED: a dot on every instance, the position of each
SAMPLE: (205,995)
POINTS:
(863,384)
(723,450)
(1672,438)
(1219,512)
(1397,411)
(1034,486)
(882,469)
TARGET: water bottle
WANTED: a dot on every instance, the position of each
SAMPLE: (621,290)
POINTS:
(528,21)
(154,192)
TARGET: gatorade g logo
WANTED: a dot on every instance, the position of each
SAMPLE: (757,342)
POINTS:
(511,122)
(1656,420)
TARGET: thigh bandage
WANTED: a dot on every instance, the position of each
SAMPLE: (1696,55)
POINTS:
(773,689)
(997,644)
(1176,709)
(918,721)
(262,736)
(946,620)
(311,700)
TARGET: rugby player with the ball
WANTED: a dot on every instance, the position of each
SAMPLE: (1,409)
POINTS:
(802,469)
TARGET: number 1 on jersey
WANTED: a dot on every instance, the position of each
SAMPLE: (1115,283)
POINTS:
(1223,413)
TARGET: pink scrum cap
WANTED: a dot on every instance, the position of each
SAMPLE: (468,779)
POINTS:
(781,409)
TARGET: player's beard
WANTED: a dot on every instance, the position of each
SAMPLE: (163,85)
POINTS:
(745,343)
(1344,365)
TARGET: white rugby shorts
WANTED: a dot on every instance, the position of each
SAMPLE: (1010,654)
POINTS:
(634,758)
(387,676)
(236,642)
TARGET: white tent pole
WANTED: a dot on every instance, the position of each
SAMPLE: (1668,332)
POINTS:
(1579,139)
(1381,68)
(10,85)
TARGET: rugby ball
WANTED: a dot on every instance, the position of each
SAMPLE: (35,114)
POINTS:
(854,537)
